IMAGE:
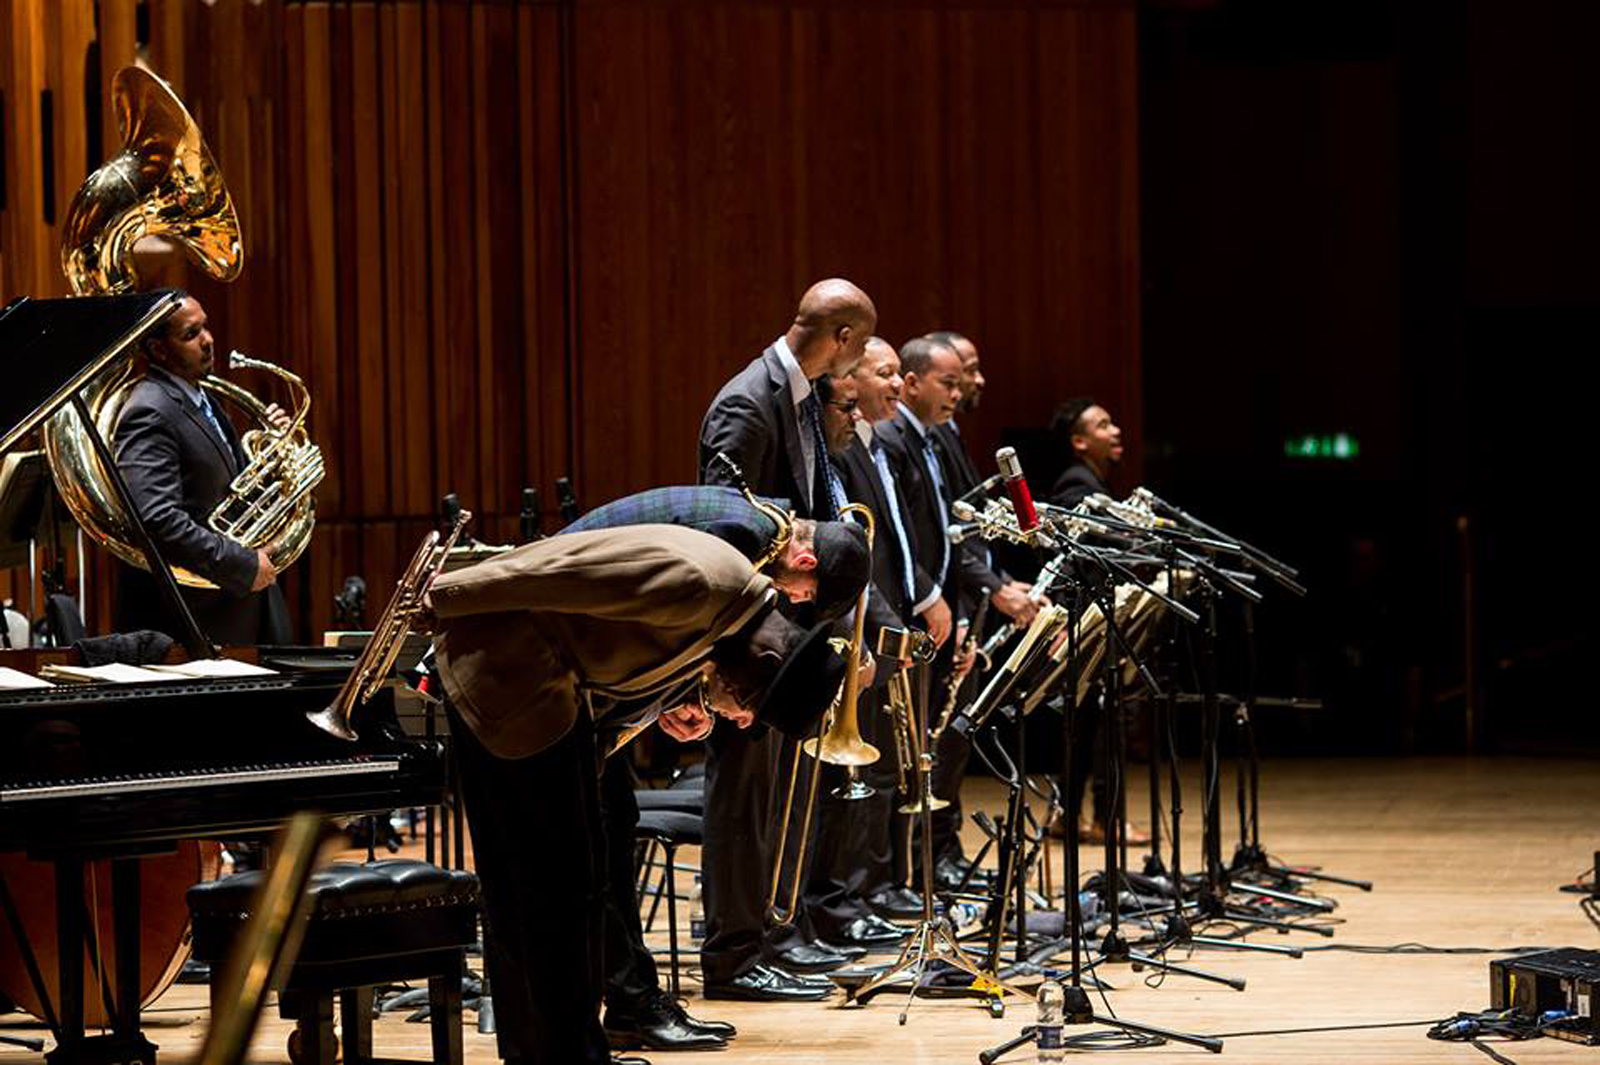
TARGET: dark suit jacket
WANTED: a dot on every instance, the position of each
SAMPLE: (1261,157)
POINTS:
(981,574)
(888,604)
(752,421)
(903,447)
(1076,483)
(177,471)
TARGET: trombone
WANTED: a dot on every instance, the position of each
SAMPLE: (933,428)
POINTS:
(838,742)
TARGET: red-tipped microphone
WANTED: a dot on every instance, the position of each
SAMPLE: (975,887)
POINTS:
(1017,488)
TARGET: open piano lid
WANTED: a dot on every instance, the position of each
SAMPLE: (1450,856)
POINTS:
(50,348)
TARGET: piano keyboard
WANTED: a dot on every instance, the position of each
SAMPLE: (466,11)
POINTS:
(209,777)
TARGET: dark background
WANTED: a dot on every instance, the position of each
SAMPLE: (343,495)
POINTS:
(510,241)
(1381,219)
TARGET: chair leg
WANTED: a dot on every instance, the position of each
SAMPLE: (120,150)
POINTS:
(671,852)
(647,861)
(655,899)
(355,1024)
(444,1015)
(312,1042)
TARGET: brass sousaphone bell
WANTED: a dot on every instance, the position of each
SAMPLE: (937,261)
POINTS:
(165,183)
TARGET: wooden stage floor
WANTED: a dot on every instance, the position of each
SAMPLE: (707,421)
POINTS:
(1463,852)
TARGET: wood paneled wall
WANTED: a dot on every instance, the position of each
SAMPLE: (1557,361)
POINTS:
(506,242)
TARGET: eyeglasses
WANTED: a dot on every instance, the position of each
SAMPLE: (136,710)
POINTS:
(846,407)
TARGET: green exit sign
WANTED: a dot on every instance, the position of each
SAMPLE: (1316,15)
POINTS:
(1340,447)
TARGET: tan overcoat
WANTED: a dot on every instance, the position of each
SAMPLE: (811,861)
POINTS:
(525,637)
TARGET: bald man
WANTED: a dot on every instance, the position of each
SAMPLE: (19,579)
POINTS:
(765,419)
(768,419)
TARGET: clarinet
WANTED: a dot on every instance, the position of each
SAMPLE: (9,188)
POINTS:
(955,681)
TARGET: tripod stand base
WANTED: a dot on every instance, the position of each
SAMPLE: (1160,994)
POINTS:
(932,940)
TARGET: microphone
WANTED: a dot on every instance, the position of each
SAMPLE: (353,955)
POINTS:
(1017,489)
(528,520)
(961,533)
(567,501)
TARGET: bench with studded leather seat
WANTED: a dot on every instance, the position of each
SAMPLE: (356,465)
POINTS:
(368,924)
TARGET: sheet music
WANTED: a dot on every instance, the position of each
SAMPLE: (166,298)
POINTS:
(215,667)
(15,678)
(113,672)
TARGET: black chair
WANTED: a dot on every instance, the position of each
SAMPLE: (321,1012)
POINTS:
(667,830)
(369,924)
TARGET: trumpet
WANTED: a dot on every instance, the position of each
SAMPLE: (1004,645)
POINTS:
(372,668)
(838,742)
(910,739)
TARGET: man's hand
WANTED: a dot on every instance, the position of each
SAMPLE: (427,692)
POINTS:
(277,417)
(937,618)
(965,657)
(265,574)
(868,671)
(1011,599)
(686,723)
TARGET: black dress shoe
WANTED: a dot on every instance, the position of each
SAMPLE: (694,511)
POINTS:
(810,958)
(900,903)
(657,1030)
(847,951)
(872,933)
(765,983)
(949,872)
(628,1059)
(659,1022)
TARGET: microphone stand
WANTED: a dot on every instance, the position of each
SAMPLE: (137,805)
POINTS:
(934,938)
(1076,1007)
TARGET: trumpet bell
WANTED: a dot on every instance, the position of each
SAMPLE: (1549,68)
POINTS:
(333,721)
(841,750)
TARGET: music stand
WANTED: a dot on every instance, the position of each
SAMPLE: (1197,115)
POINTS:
(53,349)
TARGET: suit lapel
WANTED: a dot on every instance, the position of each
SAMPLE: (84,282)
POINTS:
(197,423)
(787,417)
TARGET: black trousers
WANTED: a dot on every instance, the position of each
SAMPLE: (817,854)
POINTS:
(949,758)
(538,843)
(884,831)
(630,968)
(741,833)
(851,856)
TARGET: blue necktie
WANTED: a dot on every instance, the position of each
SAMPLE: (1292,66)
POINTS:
(825,479)
(211,419)
(881,461)
(932,462)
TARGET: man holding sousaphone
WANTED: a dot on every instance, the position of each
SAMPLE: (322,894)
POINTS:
(535,648)
(179,453)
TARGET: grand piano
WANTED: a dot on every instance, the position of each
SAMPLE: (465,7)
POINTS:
(123,771)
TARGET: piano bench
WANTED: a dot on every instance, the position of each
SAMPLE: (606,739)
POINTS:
(371,924)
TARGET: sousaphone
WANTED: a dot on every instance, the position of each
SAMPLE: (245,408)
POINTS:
(165,183)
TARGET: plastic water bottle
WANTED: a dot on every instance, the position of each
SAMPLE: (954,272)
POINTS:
(1047,1030)
(697,912)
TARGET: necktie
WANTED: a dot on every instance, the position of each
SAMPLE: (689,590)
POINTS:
(804,414)
(823,477)
(932,462)
(211,419)
(881,461)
